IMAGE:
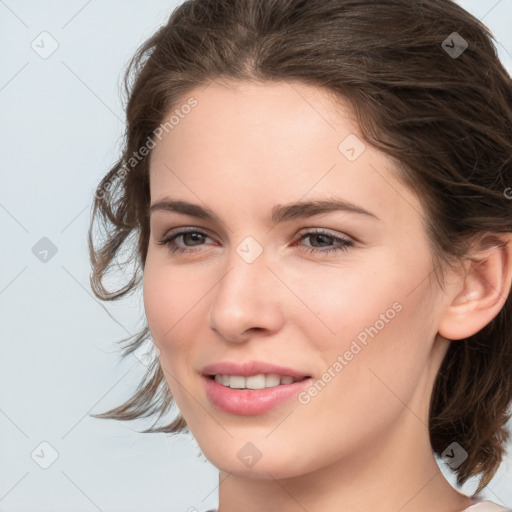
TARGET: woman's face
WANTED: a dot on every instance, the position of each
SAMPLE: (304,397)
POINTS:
(353,308)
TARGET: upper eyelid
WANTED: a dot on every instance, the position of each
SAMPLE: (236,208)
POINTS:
(175,232)
(184,230)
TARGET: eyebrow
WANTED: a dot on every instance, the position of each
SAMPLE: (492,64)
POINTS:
(280,213)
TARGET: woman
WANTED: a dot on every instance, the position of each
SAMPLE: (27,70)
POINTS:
(320,195)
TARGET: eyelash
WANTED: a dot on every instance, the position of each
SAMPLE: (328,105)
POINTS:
(344,244)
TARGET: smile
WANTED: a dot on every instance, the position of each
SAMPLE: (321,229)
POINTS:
(246,401)
(259,381)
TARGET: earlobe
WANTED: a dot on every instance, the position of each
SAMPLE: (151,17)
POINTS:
(482,291)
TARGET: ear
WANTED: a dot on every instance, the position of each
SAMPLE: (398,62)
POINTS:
(480,294)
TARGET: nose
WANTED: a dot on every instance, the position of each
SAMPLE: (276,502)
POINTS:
(247,301)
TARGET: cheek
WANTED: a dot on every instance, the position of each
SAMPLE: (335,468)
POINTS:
(366,383)
(377,318)
(166,303)
(386,356)
(157,301)
(346,302)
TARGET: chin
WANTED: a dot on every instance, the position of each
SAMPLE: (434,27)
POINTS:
(260,471)
(247,462)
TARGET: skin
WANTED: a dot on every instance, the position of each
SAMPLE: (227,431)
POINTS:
(362,443)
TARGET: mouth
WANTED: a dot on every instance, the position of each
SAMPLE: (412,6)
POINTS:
(250,395)
(247,388)
(258,381)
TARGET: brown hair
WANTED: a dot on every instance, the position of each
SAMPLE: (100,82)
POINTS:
(446,119)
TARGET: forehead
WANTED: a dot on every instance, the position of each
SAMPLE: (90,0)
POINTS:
(278,114)
(272,142)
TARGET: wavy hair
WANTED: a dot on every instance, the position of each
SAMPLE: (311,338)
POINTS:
(444,116)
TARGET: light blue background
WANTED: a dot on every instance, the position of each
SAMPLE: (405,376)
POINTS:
(61,125)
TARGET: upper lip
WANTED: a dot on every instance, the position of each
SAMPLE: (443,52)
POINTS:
(248,368)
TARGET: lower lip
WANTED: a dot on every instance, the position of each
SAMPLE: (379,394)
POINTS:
(250,402)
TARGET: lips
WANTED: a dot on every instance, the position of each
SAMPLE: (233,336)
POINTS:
(241,388)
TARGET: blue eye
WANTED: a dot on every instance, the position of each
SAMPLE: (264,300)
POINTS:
(341,245)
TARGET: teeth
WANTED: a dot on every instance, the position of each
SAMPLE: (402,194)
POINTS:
(254,381)
(237,382)
(271,380)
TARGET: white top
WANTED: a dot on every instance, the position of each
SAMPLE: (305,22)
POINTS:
(486,506)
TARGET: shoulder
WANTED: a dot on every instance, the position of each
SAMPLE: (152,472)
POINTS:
(486,506)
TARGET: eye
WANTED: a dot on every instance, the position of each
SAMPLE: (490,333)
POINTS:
(192,235)
(343,243)
(169,240)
